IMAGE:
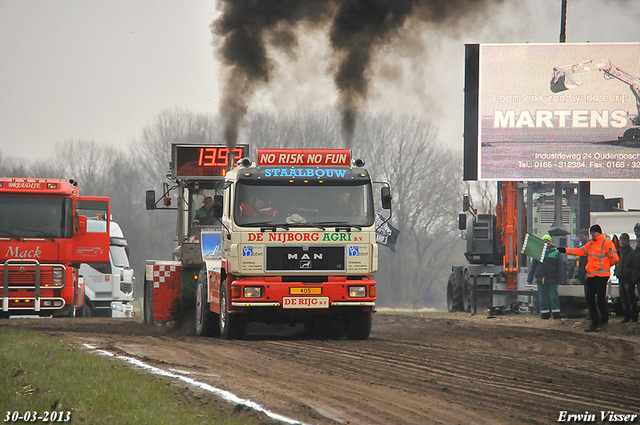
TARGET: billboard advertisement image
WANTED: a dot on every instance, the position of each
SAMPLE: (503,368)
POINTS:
(561,112)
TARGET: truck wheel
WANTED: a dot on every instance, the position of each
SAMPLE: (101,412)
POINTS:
(466,292)
(148,302)
(232,326)
(454,295)
(205,318)
(359,325)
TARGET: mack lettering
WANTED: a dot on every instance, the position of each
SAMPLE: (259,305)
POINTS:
(15,252)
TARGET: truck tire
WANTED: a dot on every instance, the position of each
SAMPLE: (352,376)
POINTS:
(206,320)
(148,302)
(454,295)
(359,325)
(232,326)
(466,292)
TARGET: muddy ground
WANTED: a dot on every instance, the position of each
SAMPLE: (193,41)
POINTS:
(431,368)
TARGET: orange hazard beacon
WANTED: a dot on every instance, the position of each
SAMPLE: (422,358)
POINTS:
(290,238)
(46,231)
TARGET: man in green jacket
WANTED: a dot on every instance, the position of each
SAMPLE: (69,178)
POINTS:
(548,275)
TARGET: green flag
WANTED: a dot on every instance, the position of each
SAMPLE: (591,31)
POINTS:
(535,247)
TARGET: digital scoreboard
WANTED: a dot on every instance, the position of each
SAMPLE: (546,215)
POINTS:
(205,160)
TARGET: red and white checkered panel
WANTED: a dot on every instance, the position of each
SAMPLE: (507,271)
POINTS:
(161,273)
(167,279)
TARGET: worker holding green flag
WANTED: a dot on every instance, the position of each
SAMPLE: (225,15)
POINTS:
(548,269)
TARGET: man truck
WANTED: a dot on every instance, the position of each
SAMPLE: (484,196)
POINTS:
(282,248)
(46,231)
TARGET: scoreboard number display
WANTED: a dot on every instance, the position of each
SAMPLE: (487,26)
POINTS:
(205,160)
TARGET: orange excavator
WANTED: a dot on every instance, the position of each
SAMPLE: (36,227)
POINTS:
(492,252)
(495,274)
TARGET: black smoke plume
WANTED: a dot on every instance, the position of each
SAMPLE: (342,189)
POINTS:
(357,30)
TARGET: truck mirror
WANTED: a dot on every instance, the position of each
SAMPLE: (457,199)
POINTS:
(217,205)
(465,204)
(385,197)
(462,222)
(151,199)
(80,226)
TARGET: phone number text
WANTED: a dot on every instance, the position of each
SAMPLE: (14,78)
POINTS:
(580,164)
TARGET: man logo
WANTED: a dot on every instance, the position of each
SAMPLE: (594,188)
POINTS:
(247,251)
(304,257)
(305,264)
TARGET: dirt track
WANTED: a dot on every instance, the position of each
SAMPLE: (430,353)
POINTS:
(435,368)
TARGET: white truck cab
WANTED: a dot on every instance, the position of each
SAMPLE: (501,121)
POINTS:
(109,288)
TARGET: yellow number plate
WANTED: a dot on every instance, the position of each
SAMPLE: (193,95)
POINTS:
(305,291)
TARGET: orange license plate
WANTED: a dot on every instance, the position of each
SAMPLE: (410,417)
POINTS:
(305,291)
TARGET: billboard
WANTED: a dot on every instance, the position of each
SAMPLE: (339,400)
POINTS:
(560,112)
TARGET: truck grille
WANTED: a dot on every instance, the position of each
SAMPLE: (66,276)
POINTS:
(126,287)
(25,277)
(296,258)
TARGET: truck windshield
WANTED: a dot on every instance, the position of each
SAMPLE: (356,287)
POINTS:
(33,217)
(119,256)
(317,205)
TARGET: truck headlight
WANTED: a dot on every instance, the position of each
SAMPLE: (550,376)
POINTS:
(252,291)
(57,273)
(357,291)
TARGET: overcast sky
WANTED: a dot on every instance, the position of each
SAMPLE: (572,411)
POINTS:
(101,71)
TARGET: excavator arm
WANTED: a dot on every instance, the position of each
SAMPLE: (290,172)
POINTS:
(507,227)
(563,78)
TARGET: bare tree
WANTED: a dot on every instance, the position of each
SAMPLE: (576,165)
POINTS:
(425,178)
(87,162)
(318,128)
(482,195)
(13,167)
(177,126)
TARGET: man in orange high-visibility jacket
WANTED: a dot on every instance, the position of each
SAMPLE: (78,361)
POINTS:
(601,255)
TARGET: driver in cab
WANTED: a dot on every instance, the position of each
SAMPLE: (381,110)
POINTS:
(258,206)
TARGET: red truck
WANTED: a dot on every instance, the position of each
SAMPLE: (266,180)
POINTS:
(46,231)
(290,238)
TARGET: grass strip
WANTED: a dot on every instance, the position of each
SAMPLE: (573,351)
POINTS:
(42,374)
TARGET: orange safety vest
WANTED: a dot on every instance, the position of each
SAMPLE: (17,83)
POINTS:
(601,255)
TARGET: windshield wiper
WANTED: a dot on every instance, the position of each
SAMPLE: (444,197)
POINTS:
(266,225)
(9,233)
(40,233)
(337,224)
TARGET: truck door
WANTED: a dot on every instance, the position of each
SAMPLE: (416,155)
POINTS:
(91,229)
